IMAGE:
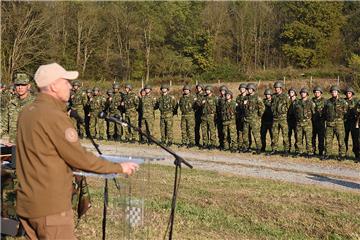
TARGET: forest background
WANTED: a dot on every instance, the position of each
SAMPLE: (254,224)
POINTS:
(184,41)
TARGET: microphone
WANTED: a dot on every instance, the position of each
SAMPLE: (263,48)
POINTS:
(74,114)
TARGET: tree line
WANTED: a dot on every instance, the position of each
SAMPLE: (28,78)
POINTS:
(144,40)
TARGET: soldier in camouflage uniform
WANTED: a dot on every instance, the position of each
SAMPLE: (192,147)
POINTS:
(280,106)
(97,106)
(199,97)
(5,99)
(219,120)
(291,120)
(89,93)
(78,100)
(167,105)
(16,104)
(350,122)
(147,108)
(304,110)
(130,103)
(208,128)
(187,105)
(240,116)
(228,115)
(111,111)
(117,98)
(318,121)
(266,120)
(253,110)
(334,111)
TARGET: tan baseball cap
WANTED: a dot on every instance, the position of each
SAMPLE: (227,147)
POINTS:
(47,74)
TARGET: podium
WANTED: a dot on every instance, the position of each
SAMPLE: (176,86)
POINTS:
(125,215)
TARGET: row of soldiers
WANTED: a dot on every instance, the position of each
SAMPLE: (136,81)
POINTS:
(224,121)
(228,122)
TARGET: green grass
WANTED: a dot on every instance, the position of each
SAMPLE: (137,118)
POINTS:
(219,206)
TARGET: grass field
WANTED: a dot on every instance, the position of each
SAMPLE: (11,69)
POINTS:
(218,206)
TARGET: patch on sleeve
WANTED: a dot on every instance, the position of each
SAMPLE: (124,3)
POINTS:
(71,135)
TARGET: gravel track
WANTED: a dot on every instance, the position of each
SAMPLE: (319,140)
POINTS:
(330,174)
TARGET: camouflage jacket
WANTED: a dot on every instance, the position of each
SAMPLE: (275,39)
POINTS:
(208,105)
(78,99)
(111,106)
(5,99)
(198,103)
(167,104)
(97,104)
(280,105)
(267,116)
(351,115)
(147,106)
(304,110)
(15,106)
(253,108)
(335,109)
(318,112)
(130,102)
(228,111)
(187,104)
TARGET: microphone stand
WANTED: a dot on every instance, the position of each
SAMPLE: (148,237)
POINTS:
(74,114)
(178,161)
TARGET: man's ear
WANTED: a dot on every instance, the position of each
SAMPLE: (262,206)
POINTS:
(53,87)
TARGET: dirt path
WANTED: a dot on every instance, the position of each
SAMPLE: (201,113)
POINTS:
(340,175)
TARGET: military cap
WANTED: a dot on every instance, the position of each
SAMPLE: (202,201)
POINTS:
(147,86)
(251,86)
(278,85)
(199,85)
(208,87)
(350,89)
(318,88)
(110,91)
(292,89)
(76,83)
(21,78)
(89,91)
(165,86)
(242,85)
(223,87)
(96,89)
(305,90)
(334,88)
(186,87)
(267,92)
(128,86)
(116,86)
(229,92)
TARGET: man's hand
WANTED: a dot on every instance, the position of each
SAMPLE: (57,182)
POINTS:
(129,167)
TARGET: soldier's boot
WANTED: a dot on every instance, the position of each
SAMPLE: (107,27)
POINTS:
(324,157)
(110,138)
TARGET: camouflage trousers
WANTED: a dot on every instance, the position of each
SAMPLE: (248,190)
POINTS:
(208,130)
(79,127)
(4,122)
(252,128)
(112,128)
(8,193)
(187,129)
(280,125)
(304,132)
(230,135)
(265,128)
(97,127)
(350,128)
(335,128)
(292,134)
(319,133)
(166,127)
(132,118)
(147,125)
